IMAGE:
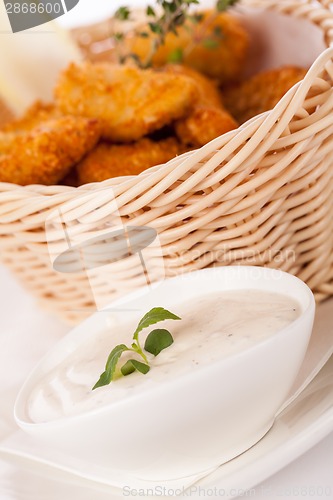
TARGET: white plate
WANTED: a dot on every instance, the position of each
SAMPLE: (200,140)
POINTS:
(304,423)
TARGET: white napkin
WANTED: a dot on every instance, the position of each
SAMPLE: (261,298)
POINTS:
(25,70)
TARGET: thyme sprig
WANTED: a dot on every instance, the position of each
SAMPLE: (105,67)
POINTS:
(166,17)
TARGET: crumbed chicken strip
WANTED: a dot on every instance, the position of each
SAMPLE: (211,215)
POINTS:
(203,125)
(261,92)
(45,154)
(216,46)
(208,119)
(34,116)
(208,92)
(129,102)
(112,160)
(6,114)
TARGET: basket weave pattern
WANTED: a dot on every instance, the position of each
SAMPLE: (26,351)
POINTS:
(261,195)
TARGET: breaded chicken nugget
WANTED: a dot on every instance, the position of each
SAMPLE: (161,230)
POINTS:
(45,154)
(112,160)
(203,125)
(34,116)
(216,46)
(261,92)
(208,92)
(129,102)
(6,114)
(208,119)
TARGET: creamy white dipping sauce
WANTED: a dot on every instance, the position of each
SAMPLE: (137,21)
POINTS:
(212,327)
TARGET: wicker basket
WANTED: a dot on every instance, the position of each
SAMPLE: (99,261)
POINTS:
(261,195)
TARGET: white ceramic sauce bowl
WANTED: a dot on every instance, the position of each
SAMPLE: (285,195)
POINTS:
(197,421)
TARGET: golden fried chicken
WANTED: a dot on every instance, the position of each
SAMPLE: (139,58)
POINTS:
(34,116)
(112,160)
(129,102)
(46,153)
(261,92)
(208,92)
(216,46)
(203,125)
(208,118)
(5,113)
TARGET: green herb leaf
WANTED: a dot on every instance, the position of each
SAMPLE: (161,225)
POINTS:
(131,365)
(134,58)
(210,43)
(176,56)
(218,32)
(155,28)
(179,19)
(169,6)
(103,380)
(196,18)
(119,36)
(122,14)
(152,317)
(110,367)
(136,347)
(158,340)
(127,368)
(222,5)
(150,11)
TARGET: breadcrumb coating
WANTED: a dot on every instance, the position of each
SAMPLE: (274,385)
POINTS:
(208,92)
(34,116)
(6,113)
(130,103)
(112,160)
(203,125)
(46,153)
(261,92)
(208,119)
